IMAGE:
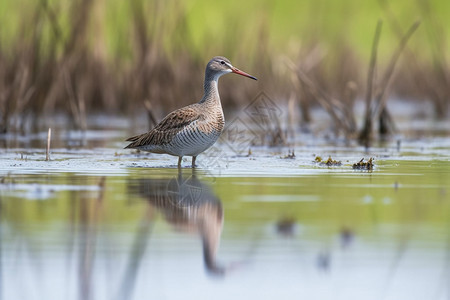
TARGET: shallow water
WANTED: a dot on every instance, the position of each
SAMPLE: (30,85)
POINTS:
(99,222)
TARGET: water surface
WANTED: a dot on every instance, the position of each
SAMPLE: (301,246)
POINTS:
(99,222)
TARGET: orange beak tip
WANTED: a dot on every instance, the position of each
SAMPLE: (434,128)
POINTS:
(237,71)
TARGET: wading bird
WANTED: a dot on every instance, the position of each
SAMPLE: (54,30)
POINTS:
(192,129)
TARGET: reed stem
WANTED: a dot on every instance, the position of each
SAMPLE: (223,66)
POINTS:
(49,137)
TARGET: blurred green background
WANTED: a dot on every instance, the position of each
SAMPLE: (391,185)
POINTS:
(206,29)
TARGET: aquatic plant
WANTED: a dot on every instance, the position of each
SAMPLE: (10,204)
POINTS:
(329,162)
(363,165)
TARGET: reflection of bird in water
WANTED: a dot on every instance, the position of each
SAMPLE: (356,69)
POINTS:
(190,206)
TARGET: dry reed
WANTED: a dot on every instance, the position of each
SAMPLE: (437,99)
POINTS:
(49,137)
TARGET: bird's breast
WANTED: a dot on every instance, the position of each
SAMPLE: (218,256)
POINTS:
(212,125)
(197,137)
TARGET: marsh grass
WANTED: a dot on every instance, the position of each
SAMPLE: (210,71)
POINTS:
(61,62)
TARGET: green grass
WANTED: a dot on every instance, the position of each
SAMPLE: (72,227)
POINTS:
(234,27)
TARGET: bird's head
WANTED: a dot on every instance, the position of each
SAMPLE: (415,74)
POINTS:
(220,65)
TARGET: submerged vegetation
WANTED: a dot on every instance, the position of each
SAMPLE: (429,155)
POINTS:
(364,165)
(89,56)
(329,162)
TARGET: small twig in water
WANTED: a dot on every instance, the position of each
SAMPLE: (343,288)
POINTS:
(47,153)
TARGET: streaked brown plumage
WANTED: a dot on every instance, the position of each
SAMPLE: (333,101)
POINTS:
(190,130)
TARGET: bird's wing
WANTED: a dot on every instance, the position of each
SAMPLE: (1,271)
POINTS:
(166,129)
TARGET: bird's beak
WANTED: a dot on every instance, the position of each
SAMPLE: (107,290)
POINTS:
(237,71)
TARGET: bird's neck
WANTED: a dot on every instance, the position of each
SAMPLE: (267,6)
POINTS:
(211,95)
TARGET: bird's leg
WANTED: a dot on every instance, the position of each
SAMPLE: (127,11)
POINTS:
(179,161)
(193,161)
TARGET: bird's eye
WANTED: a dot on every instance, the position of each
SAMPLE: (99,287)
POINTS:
(222,62)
